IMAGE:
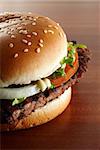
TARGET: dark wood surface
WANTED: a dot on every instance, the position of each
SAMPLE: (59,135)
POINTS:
(78,127)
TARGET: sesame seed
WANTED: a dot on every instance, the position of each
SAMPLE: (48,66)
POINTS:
(28,35)
(57,24)
(45,31)
(33,23)
(34,19)
(60,34)
(41,41)
(50,31)
(34,33)
(12,36)
(47,18)
(12,29)
(19,28)
(37,50)
(56,27)
(25,41)
(50,25)
(37,17)
(29,43)
(30,18)
(7,21)
(25,50)
(15,55)
(11,45)
(40,44)
(23,31)
(9,32)
(23,19)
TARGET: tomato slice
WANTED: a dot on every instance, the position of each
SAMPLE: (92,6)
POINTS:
(70,71)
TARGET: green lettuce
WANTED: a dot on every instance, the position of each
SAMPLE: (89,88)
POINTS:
(68,59)
(17,100)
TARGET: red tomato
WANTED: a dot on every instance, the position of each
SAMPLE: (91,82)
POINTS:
(70,71)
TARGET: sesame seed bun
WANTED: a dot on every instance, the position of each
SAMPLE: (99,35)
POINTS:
(31,48)
(42,115)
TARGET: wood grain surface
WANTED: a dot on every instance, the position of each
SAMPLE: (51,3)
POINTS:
(78,127)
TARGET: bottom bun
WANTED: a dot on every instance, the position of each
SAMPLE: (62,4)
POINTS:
(42,115)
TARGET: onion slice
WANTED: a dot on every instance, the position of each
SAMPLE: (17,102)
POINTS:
(12,93)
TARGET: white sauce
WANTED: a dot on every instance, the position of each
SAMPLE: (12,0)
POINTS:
(43,84)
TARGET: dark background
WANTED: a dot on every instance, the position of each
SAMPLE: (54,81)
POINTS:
(79,126)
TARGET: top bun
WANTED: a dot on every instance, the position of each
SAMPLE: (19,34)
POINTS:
(31,48)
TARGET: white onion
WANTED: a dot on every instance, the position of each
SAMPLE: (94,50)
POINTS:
(26,91)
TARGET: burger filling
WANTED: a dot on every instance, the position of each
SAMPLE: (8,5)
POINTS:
(31,97)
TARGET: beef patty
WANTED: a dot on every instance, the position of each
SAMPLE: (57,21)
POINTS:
(10,114)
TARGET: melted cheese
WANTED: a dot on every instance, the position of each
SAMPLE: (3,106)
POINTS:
(43,84)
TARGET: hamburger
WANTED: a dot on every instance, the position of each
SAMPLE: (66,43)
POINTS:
(38,66)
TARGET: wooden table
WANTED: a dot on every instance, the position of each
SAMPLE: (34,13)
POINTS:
(78,127)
